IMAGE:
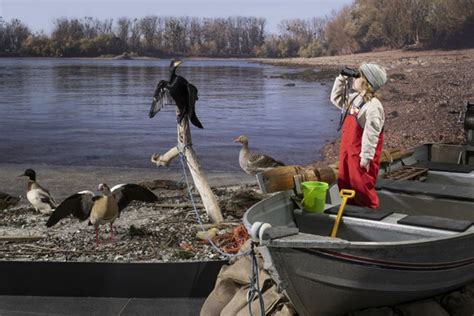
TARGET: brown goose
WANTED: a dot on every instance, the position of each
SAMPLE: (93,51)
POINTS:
(101,209)
(254,163)
(38,196)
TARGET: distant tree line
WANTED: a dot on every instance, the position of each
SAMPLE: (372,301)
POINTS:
(365,25)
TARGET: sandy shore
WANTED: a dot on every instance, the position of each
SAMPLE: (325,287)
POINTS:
(424,98)
(63,181)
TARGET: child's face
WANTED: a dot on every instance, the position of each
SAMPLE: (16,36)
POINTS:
(357,84)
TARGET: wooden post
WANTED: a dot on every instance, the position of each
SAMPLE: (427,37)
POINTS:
(200,180)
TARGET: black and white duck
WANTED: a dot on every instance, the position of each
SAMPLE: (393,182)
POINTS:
(38,196)
(253,163)
(103,208)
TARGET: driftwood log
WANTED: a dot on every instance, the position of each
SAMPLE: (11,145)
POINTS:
(184,145)
(282,178)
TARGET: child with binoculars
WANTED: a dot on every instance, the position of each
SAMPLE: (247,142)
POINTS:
(362,123)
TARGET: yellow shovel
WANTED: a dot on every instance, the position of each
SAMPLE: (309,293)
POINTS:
(344,194)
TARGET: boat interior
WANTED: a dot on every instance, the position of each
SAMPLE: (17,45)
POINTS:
(358,224)
(427,195)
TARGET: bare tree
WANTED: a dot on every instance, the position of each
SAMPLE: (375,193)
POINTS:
(340,33)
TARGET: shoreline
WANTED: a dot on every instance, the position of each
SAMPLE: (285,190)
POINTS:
(63,181)
(424,98)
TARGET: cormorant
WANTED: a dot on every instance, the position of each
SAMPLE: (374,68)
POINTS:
(179,91)
(101,209)
(38,196)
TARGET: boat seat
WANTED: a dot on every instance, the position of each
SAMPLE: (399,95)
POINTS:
(443,166)
(436,222)
(426,188)
(360,212)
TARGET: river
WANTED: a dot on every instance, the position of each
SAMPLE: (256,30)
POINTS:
(94,112)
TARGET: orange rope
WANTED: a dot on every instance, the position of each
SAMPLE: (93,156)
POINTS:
(233,241)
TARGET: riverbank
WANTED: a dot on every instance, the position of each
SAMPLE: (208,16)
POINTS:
(424,98)
(159,232)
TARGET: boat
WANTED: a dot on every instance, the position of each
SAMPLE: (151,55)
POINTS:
(378,258)
(417,245)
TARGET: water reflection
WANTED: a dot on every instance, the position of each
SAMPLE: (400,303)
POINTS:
(94,112)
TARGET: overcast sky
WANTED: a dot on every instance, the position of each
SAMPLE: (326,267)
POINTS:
(40,14)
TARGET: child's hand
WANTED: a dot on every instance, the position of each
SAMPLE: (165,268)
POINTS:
(365,164)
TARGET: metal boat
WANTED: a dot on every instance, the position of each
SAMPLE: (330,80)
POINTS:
(378,258)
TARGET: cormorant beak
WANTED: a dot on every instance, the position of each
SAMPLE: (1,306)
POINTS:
(177,63)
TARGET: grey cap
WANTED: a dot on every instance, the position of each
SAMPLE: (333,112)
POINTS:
(375,75)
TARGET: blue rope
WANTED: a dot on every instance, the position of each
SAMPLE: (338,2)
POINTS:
(183,160)
(254,288)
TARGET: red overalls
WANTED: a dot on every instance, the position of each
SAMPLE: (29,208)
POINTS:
(351,175)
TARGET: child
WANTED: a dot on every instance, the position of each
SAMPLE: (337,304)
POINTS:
(362,132)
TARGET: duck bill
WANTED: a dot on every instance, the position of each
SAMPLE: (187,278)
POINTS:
(237,140)
(22,175)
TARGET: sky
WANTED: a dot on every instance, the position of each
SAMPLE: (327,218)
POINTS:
(40,14)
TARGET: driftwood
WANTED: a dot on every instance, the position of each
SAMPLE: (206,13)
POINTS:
(21,238)
(282,178)
(200,180)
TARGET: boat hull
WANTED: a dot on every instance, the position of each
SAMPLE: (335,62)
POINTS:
(373,262)
(319,282)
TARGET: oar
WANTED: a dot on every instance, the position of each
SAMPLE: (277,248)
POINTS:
(344,194)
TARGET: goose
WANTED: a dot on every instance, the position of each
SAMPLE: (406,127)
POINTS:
(101,209)
(38,196)
(179,91)
(7,200)
(254,163)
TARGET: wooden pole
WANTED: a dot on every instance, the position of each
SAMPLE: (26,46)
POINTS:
(208,198)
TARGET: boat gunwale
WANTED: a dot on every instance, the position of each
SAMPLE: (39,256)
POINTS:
(288,241)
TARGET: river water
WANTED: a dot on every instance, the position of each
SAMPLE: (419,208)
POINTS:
(87,112)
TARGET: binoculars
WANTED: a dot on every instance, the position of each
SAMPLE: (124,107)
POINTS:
(349,72)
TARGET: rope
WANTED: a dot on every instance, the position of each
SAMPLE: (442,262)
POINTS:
(254,288)
(182,159)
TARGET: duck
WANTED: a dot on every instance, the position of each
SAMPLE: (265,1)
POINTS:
(177,90)
(254,163)
(103,208)
(7,200)
(38,196)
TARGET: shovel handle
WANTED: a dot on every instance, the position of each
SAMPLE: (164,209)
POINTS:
(345,194)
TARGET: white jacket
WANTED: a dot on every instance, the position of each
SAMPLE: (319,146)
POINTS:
(370,117)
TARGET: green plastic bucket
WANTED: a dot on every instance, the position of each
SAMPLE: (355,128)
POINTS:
(314,195)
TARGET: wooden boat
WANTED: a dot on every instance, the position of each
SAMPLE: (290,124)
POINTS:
(379,258)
